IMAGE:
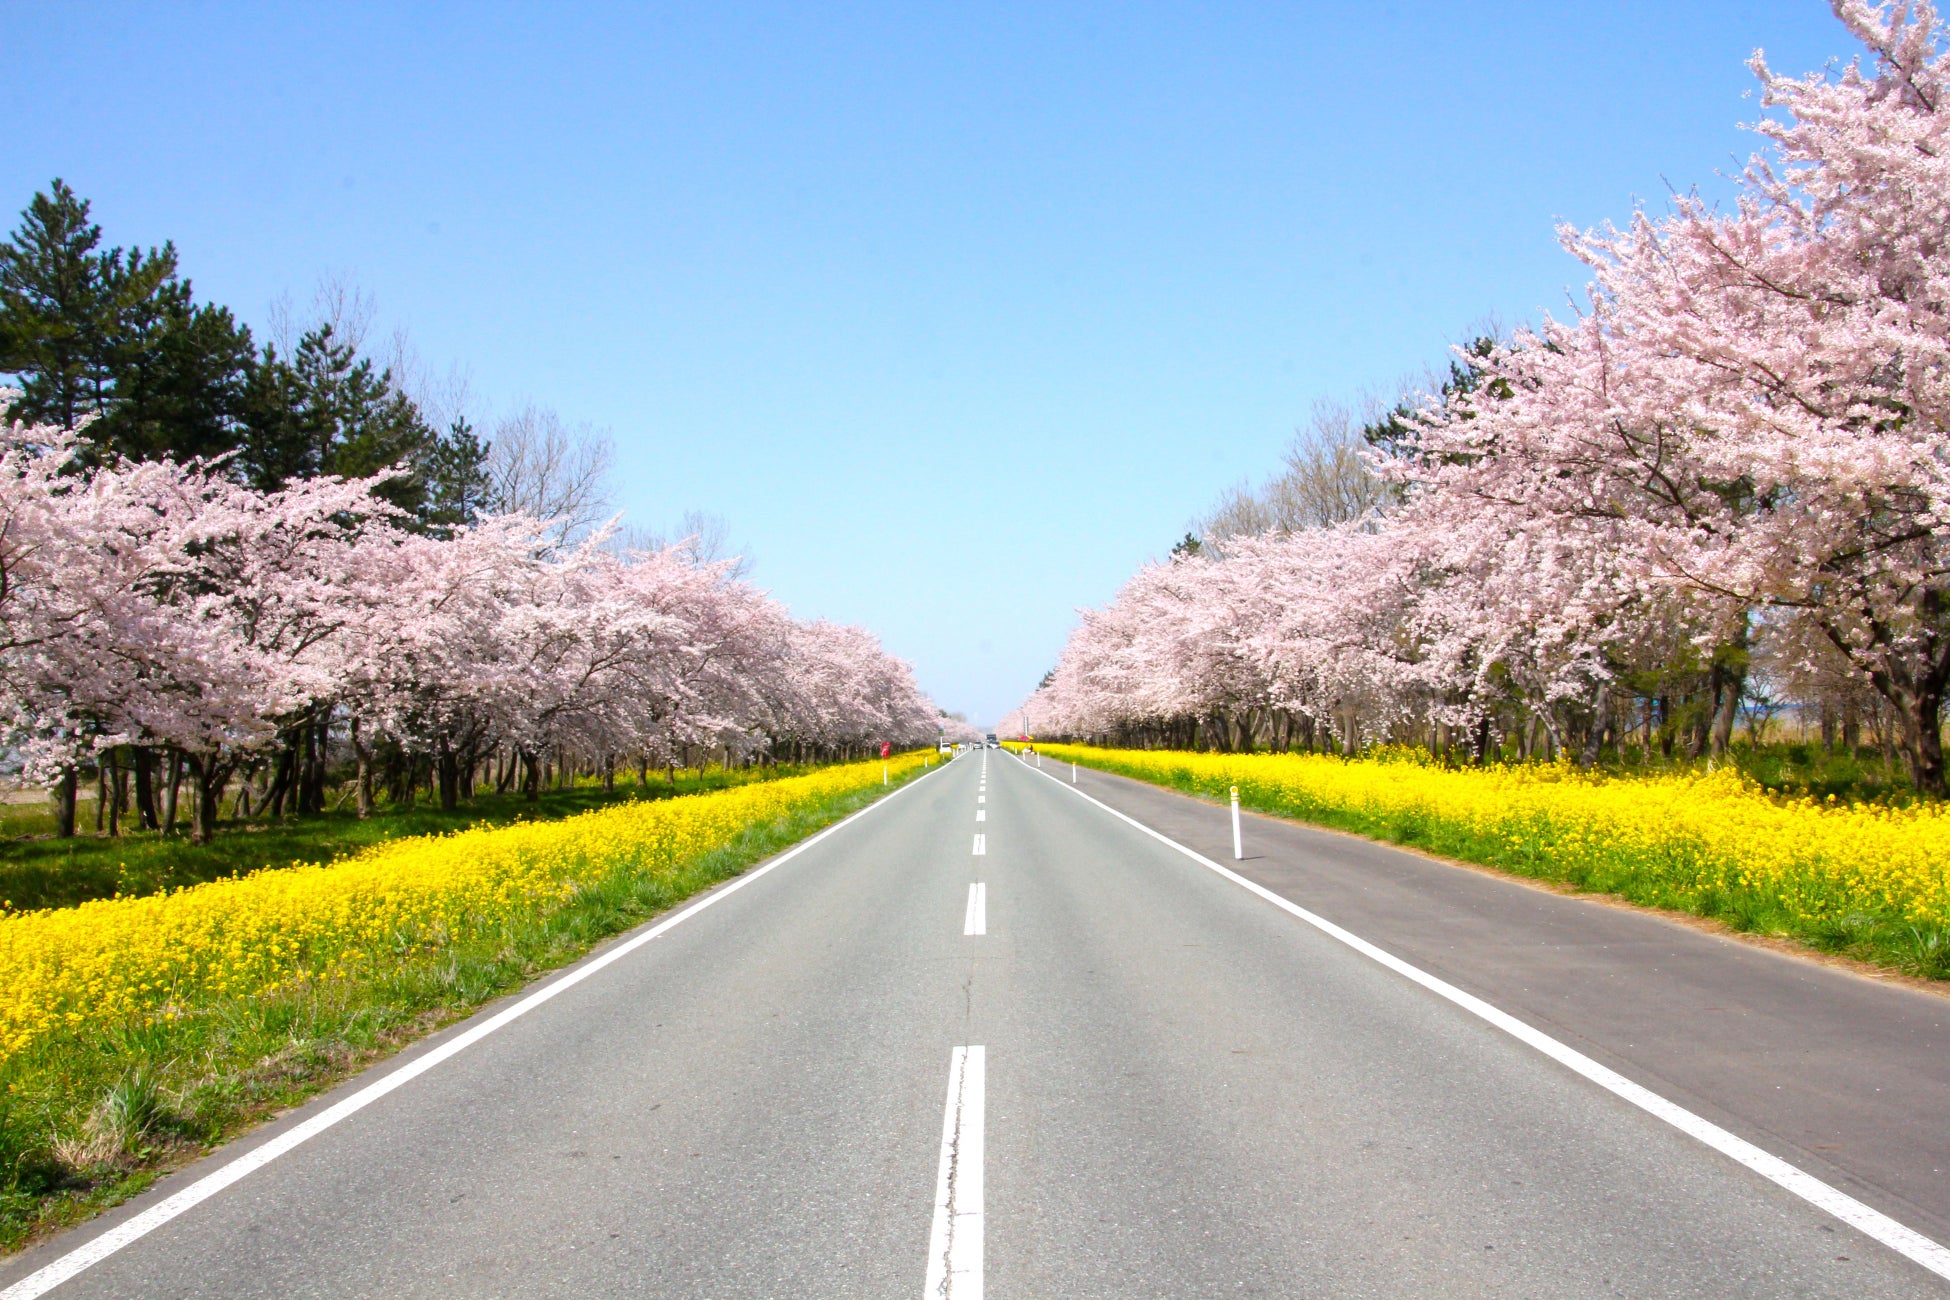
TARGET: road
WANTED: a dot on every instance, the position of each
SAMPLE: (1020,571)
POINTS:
(990,1037)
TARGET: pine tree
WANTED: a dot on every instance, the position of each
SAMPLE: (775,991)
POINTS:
(56,307)
(327,410)
(458,485)
(180,383)
(1394,432)
(115,338)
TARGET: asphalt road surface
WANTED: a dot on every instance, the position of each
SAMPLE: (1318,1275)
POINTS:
(992,1036)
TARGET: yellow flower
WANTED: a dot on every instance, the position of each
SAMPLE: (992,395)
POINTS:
(1693,835)
(104,961)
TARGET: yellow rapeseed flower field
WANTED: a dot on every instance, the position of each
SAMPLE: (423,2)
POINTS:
(1713,843)
(146,960)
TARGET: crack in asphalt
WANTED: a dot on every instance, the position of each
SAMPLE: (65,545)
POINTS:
(947,1287)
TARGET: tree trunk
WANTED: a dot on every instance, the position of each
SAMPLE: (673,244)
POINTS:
(1726,707)
(114,796)
(207,779)
(363,777)
(311,782)
(145,787)
(449,770)
(307,759)
(281,778)
(1600,714)
(171,788)
(1553,739)
(64,798)
(1917,706)
(1925,725)
(531,777)
(101,795)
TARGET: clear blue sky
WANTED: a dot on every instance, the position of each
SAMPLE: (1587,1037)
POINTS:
(956,313)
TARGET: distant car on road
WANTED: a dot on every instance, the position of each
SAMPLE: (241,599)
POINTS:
(992,743)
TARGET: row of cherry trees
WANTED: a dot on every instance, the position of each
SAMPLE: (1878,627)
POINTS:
(1735,454)
(162,621)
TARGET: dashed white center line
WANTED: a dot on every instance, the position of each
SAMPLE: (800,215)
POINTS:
(976,919)
(955,1244)
(981,845)
(981,814)
(981,798)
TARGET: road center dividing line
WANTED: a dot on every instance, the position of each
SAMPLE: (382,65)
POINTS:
(981,814)
(976,919)
(981,847)
(955,1244)
(87,1255)
(1905,1241)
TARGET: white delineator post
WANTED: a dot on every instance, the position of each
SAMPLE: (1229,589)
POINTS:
(1238,846)
(1073,772)
(883,774)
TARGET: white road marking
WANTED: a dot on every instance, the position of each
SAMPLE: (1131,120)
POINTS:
(93,1252)
(981,814)
(981,798)
(976,919)
(955,1244)
(1873,1223)
(981,847)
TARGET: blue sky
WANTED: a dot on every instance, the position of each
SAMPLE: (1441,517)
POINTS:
(956,313)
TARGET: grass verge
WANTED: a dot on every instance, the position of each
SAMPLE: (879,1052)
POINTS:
(1866,882)
(89,1118)
(37,870)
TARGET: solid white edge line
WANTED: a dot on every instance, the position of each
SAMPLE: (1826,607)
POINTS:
(90,1253)
(1873,1223)
(955,1237)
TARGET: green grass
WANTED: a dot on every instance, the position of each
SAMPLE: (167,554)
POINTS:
(37,870)
(86,1123)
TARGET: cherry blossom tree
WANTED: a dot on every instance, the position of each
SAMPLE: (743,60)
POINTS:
(164,607)
(1740,437)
